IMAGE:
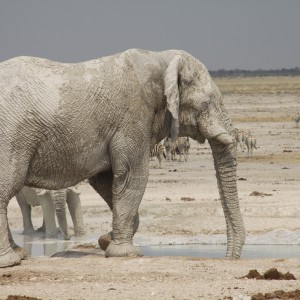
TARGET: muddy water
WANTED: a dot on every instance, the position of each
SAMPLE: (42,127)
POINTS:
(38,246)
(219,251)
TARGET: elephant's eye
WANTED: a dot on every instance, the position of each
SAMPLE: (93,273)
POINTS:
(204,106)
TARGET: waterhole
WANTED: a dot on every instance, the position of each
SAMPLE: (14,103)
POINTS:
(38,246)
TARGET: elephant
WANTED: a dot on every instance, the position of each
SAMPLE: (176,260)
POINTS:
(98,120)
(52,202)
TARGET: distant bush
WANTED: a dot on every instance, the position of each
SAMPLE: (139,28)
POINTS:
(255,73)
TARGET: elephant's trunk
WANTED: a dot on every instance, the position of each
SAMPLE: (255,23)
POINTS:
(225,165)
(74,204)
(59,199)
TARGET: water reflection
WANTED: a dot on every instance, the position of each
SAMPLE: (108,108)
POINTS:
(36,245)
(219,251)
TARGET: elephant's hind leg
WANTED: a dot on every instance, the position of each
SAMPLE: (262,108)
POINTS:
(12,176)
(102,184)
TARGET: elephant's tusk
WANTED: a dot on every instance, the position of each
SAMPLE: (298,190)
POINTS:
(42,193)
(75,191)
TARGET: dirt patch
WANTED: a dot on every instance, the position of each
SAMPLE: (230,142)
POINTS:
(295,295)
(18,297)
(15,277)
(187,199)
(260,194)
(271,274)
(84,246)
(284,157)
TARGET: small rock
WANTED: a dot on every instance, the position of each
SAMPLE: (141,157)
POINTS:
(187,199)
(261,194)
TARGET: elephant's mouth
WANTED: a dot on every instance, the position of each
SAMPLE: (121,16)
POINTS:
(224,138)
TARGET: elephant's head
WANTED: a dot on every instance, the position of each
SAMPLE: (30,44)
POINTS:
(197,111)
(195,102)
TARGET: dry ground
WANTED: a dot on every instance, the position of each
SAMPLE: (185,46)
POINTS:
(274,169)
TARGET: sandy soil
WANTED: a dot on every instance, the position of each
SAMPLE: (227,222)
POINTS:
(273,216)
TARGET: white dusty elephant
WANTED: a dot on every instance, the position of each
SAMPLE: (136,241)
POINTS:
(62,123)
(52,202)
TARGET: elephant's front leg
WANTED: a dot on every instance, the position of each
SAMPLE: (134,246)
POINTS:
(19,250)
(129,183)
(7,256)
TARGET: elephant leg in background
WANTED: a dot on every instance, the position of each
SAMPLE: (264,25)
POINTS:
(49,214)
(43,227)
(74,205)
(26,213)
(103,183)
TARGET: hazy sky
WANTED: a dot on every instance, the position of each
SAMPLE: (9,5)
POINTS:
(223,34)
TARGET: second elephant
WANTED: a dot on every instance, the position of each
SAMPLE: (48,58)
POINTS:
(52,202)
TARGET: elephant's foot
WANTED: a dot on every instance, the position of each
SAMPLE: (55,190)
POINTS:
(122,250)
(67,237)
(105,240)
(41,229)
(20,251)
(52,234)
(79,232)
(9,259)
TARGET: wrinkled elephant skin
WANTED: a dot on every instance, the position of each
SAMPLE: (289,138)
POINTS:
(63,123)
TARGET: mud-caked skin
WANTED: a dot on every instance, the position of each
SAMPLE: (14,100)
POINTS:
(63,123)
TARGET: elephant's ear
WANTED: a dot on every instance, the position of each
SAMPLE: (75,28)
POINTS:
(172,92)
